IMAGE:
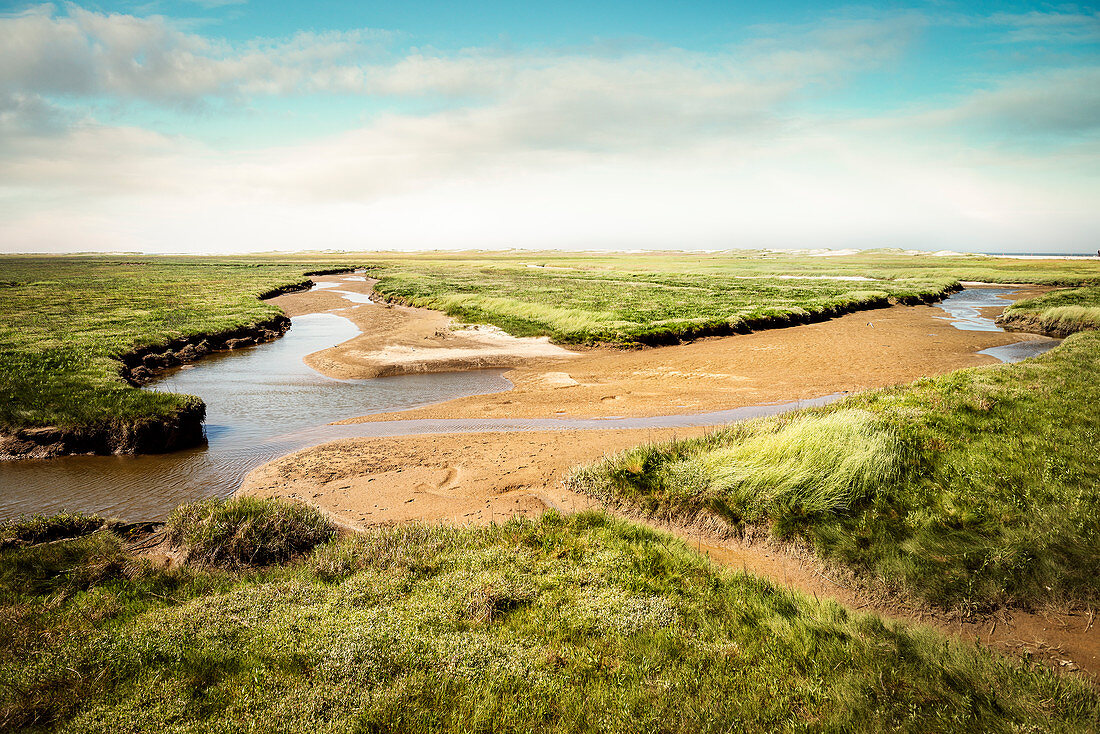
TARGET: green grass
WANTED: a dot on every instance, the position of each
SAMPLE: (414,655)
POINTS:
(625,306)
(1060,312)
(64,321)
(246,530)
(45,528)
(974,489)
(584,623)
(651,299)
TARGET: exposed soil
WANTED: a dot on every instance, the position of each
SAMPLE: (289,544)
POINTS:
(142,365)
(1018,322)
(182,429)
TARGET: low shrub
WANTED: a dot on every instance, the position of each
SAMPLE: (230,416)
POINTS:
(247,530)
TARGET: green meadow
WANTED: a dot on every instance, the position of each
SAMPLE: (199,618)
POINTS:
(662,298)
(561,624)
(1060,312)
(65,321)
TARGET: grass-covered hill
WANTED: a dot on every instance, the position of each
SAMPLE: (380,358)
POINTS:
(561,624)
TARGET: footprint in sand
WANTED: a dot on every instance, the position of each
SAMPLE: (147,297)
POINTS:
(450,478)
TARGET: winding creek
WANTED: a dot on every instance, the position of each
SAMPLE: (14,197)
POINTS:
(264,402)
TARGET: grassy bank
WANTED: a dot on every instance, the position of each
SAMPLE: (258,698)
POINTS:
(584,623)
(654,298)
(66,321)
(1059,313)
(974,489)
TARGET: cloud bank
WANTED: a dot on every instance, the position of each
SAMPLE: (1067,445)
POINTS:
(617,145)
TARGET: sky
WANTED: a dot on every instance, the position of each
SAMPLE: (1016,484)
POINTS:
(220,126)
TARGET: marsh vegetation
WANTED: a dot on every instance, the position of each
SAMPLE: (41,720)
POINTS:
(1060,313)
(580,623)
(65,323)
(664,298)
(973,489)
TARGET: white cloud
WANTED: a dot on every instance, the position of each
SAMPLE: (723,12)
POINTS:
(1059,105)
(377,188)
(627,147)
(85,53)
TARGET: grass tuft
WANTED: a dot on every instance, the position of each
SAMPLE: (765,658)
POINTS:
(45,528)
(1060,313)
(247,530)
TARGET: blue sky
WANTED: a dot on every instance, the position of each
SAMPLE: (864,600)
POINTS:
(214,126)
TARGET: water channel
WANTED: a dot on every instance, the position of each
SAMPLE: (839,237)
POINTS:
(264,402)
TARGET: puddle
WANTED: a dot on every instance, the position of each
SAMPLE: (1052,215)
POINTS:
(355,297)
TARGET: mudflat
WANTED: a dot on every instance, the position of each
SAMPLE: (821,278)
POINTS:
(858,351)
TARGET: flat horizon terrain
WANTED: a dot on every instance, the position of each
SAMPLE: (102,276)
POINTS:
(969,499)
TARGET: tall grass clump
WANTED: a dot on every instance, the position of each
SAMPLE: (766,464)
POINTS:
(247,530)
(1059,313)
(810,465)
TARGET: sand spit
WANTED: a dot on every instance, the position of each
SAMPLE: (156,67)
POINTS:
(859,351)
(397,340)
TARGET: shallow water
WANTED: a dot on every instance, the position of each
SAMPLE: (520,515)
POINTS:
(260,402)
(963,312)
(264,402)
(354,297)
(962,308)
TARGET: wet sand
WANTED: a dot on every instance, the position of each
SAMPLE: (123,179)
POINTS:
(856,352)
